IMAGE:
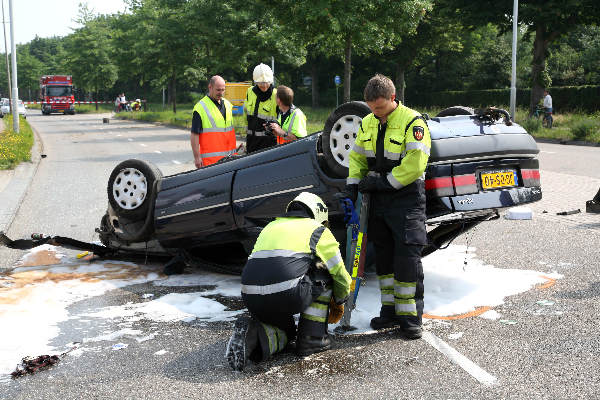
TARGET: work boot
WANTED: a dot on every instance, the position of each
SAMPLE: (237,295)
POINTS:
(307,345)
(384,322)
(242,343)
(412,332)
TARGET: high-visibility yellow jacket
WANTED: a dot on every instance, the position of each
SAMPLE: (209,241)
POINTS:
(266,110)
(407,145)
(285,251)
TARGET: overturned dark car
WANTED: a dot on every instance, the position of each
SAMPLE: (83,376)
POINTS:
(480,162)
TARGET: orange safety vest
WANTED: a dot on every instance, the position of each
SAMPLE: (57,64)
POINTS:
(217,139)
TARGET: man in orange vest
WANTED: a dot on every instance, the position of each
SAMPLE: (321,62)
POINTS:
(291,121)
(212,136)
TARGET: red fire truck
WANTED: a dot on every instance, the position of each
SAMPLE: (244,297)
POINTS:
(56,94)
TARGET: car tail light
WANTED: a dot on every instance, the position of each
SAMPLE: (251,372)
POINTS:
(531,177)
(451,185)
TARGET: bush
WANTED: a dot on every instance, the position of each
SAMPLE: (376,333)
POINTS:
(584,128)
(532,125)
(564,98)
(15,147)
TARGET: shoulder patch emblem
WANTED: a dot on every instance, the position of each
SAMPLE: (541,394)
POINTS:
(418,132)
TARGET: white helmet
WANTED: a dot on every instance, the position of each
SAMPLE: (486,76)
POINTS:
(314,203)
(262,73)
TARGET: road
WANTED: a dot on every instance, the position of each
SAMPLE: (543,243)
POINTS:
(546,350)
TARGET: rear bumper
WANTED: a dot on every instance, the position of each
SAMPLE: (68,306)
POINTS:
(493,199)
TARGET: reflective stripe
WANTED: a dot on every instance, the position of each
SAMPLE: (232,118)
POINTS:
(352,181)
(209,115)
(405,292)
(390,155)
(393,181)
(335,260)
(278,253)
(216,130)
(316,312)
(387,299)
(314,239)
(291,124)
(270,331)
(418,146)
(386,281)
(256,133)
(218,154)
(405,307)
(270,289)
(264,116)
(325,297)
(361,151)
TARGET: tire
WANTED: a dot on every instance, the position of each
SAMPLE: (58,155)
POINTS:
(339,134)
(130,188)
(456,110)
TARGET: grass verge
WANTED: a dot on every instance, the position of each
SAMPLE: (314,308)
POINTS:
(567,126)
(15,147)
(91,108)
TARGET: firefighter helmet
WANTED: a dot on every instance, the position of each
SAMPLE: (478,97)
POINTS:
(314,204)
(262,73)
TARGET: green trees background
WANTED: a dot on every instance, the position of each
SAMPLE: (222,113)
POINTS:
(426,46)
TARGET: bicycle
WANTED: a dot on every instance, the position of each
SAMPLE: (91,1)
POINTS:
(546,116)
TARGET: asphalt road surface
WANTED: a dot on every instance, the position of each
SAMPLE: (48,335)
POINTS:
(548,353)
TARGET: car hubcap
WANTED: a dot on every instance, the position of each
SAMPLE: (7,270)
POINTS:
(130,188)
(342,137)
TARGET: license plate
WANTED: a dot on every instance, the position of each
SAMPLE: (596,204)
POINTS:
(498,179)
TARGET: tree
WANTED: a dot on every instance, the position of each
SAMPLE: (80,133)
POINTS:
(90,53)
(339,28)
(546,21)
(434,35)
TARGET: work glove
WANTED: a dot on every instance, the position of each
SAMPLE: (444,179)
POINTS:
(374,184)
(335,312)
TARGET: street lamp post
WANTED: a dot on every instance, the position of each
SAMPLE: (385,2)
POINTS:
(513,79)
(15,90)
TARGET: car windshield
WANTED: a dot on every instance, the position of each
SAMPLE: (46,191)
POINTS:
(58,91)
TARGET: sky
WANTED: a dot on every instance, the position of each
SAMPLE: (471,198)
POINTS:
(46,18)
(35,299)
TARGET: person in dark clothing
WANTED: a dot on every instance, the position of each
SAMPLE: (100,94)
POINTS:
(295,267)
(260,107)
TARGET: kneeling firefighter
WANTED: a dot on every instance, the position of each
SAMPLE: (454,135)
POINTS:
(295,267)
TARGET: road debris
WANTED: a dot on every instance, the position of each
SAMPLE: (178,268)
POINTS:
(545,303)
(519,213)
(571,212)
(31,365)
(119,346)
(508,321)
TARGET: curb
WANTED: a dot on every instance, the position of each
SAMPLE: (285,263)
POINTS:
(566,142)
(13,194)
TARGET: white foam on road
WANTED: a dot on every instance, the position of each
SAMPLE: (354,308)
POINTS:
(451,287)
(34,300)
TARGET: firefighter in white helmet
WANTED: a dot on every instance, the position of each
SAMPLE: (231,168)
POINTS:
(260,107)
(295,267)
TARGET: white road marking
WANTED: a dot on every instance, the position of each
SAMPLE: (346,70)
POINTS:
(176,162)
(130,139)
(158,151)
(143,145)
(473,369)
(548,152)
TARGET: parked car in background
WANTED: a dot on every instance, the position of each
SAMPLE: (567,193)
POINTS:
(5,108)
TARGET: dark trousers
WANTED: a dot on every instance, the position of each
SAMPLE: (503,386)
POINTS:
(278,309)
(399,235)
(255,143)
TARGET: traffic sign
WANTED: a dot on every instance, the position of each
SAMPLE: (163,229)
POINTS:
(337,80)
